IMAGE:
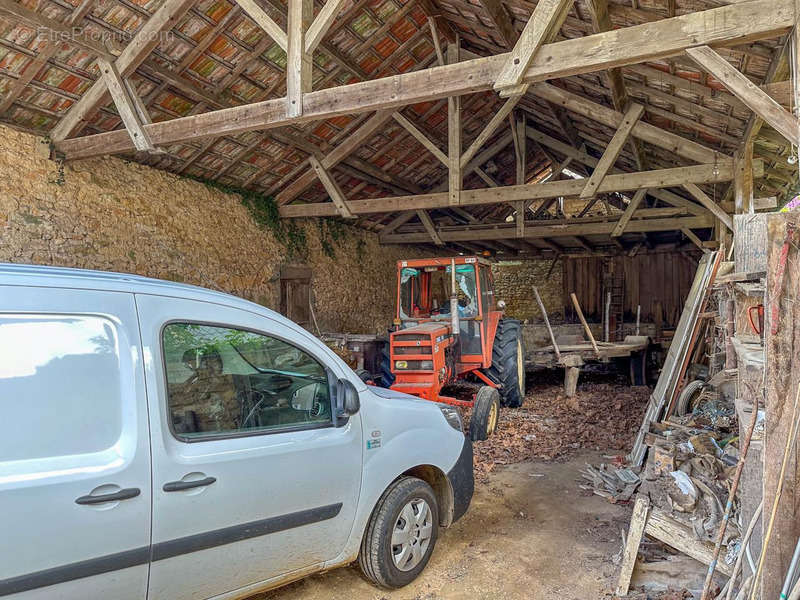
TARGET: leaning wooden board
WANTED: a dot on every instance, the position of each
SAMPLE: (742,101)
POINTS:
(676,355)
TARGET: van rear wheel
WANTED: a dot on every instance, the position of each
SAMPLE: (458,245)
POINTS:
(401,534)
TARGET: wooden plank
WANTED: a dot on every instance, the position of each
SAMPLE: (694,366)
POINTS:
(126,106)
(420,137)
(754,97)
(635,533)
(677,535)
(323,21)
(263,20)
(544,24)
(746,21)
(134,53)
(536,191)
(429,227)
(632,116)
(331,187)
(712,206)
(298,62)
(619,229)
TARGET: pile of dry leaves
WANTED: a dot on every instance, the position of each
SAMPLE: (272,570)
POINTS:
(604,415)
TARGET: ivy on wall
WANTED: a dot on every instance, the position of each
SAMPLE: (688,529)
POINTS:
(264,211)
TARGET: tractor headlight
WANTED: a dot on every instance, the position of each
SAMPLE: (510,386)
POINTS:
(413,365)
(452,416)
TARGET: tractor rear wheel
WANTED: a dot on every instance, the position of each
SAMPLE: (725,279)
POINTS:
(485,413)
(508,362)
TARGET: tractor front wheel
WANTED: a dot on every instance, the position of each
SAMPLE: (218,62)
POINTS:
(485,413)
(508,362)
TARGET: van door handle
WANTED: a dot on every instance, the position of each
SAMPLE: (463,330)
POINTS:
(179,486)
(124,494)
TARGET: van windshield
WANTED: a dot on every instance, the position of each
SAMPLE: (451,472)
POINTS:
(425,292)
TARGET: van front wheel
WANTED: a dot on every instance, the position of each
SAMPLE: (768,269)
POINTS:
(401,534)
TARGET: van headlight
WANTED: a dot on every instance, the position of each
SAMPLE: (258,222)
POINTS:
(452,416)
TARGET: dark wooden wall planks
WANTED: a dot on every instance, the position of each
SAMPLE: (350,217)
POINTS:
(648,278)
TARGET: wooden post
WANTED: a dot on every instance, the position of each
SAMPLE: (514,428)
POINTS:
(782,378)
(454,136)
(743,180)
(635,533)
(584,323)
(547,323)
(571,375)
(298,62)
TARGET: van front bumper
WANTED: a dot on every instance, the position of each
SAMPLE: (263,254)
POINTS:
(462,480)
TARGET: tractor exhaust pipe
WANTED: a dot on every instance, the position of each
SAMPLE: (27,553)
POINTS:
(454,320)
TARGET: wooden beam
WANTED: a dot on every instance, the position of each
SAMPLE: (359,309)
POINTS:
(402,218)
(544,24)
(690,235)
(420,137)
(746,21)
(502,21)
(601,21)
(743,181)
(490,128)
(454,174)
(298,62)
(335,156)
(263,20)
(712,206)
(126,106)
(316,32)
(521,155)
(609,157)
(429,226)
(543,230)
(134,53)
(332,188)
(437,46)
(722,171)
(753,96)
(626,216)
(644,131)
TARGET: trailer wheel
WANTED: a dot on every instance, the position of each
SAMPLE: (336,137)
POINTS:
(508,362)
(638,368)
(485,413)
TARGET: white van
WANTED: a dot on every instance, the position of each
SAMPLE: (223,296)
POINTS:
(169,442)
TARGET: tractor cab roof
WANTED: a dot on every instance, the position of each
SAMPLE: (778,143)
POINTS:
(442,262)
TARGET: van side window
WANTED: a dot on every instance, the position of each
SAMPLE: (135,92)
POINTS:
(223,381)
(60,385)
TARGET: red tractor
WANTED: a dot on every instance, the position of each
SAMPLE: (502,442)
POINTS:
(451,339)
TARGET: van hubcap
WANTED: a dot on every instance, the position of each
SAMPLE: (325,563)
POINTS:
(412,534)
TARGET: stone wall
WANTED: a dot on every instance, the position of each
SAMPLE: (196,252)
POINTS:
(514,281)
(115,215)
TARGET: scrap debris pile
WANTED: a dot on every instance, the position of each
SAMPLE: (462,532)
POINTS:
(603,416)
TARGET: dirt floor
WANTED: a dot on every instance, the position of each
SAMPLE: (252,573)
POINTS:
(531,532)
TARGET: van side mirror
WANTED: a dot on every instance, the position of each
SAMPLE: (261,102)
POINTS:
(348,402)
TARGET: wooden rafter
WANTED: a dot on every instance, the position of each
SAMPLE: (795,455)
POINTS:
(131,110)
(131,57)
(609,157)
(749,93)
(333,189)
(725,25)
(628,214)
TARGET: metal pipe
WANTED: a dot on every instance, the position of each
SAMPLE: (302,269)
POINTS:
(787,583)
(638,317)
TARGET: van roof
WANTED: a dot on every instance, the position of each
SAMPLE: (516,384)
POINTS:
(63,277)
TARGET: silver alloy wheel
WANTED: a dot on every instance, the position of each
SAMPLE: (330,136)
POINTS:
(411,535)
